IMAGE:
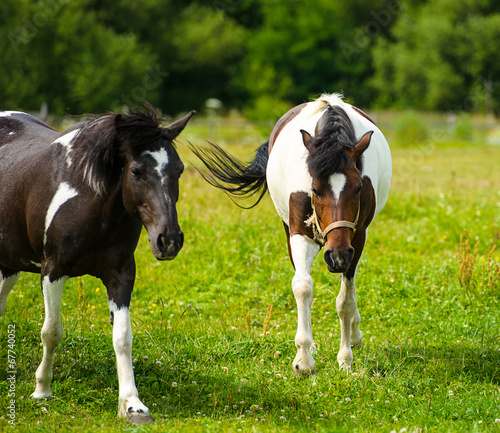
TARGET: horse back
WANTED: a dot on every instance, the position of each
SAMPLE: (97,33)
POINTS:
(26,181)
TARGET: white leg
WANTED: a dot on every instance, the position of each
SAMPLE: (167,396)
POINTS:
(6,285)
(347,309)
(52,332)
(129,405)
(303,252)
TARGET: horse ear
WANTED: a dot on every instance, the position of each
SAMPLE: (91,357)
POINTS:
(172,131)
(361,145)
(307,139)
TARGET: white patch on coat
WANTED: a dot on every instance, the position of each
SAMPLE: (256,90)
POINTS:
(337,183)
(52,331)
(6,284)
(65,141)
(63,194)
(9,113)
(122,343)
(304,250)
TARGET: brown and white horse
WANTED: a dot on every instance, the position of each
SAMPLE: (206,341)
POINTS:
(328,169)
(74,203)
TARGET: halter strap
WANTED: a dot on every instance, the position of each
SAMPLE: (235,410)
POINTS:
(321,234)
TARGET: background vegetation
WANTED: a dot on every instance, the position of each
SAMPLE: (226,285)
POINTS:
(259,56)
(214,328)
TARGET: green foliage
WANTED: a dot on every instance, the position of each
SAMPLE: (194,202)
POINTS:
(410,128)
(439,56)
(88,55)
(62,53)
(463,127)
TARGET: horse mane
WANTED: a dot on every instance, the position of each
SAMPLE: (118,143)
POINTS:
(103,141)
(334,133)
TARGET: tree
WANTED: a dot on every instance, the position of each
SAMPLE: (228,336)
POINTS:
(60,53)
(440,55)
(303,48)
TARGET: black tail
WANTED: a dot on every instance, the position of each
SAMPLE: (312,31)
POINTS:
(232,175)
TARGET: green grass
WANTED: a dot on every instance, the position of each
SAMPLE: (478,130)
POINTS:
(431,353)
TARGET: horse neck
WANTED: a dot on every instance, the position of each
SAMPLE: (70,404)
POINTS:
(112,207)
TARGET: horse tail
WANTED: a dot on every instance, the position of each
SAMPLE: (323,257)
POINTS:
(237,178)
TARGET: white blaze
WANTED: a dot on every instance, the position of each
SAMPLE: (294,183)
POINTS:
(337,183)
(161,158)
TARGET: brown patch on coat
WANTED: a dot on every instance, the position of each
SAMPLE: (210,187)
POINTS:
(368,204)
(300,211)
(363,114)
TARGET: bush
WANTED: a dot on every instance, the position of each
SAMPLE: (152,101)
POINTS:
(410,128)
(463,127)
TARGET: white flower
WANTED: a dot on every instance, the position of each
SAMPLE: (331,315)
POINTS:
(174,384)
(224,368)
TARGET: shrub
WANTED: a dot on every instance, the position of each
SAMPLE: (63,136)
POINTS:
(410,128)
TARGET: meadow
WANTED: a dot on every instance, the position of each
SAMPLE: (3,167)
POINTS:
(214,329)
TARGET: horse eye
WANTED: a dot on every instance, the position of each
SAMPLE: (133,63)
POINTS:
(136,172)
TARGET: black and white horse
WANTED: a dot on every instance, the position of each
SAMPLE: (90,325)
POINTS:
(328,169)
(74,203)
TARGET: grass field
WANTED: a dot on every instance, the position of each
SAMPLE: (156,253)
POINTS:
(214,329)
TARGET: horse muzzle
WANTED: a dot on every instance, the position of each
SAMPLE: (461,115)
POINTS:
(166,246)
(339,262)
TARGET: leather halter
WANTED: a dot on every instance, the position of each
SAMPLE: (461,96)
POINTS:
(321,234)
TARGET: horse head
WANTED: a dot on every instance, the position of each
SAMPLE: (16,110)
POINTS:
(335,167)
(150,181)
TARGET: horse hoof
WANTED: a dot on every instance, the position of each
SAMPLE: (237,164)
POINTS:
(42,396)
(139,418)
(304,373)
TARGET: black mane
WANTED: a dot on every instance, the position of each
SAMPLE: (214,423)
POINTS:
(334,133)
(99,148)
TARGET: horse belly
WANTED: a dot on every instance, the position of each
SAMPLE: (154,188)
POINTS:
(16,253)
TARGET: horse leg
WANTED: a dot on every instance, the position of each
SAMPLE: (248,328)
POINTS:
(347,308)
(7,281)
(119,293)
(52,331)
(356,334)
(349,316)
(303,252)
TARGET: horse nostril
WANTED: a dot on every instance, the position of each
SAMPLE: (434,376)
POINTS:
(160,242)
(349,254)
